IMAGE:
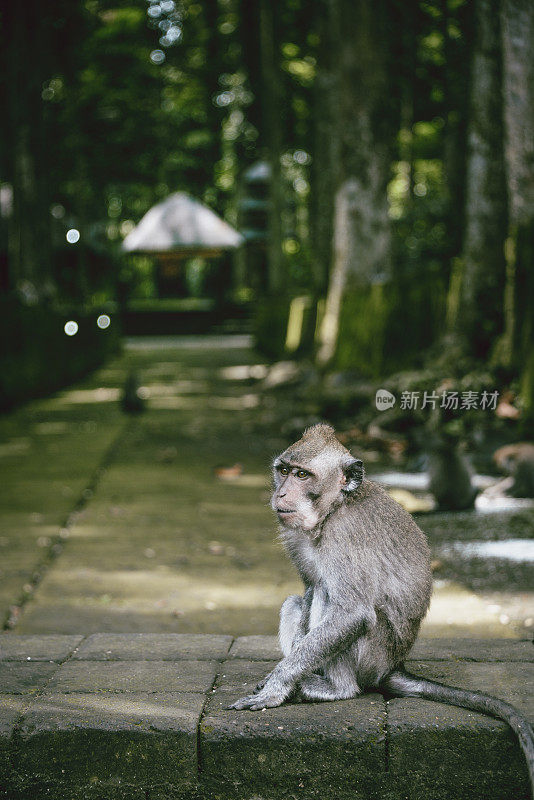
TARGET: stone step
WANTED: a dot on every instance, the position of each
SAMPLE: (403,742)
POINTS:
(144,716)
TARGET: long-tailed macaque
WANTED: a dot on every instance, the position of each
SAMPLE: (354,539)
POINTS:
(365,566)
(517,461)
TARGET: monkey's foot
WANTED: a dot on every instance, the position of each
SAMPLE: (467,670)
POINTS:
(268,697)
(256,702)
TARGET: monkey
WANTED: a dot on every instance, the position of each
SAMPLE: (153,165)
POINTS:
(516,461)
(131,401)
(449,475)
(365,566)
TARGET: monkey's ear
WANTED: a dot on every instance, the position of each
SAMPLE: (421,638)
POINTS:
(353,474)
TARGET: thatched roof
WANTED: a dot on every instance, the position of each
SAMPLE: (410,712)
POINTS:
(181,223)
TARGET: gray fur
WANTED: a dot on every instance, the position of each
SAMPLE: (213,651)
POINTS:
(517,460)
(365,566)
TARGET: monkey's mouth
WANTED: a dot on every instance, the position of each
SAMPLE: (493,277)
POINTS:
(285,511)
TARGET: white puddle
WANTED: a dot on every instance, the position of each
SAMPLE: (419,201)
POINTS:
(489,504)
(485,502)
(414,481)
(508,549)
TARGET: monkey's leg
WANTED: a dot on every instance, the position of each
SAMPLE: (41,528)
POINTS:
(293,616)
(291,631)
(339,682)
(312,653)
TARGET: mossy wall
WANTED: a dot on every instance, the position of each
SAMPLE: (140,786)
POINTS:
(37,357)
(385,327)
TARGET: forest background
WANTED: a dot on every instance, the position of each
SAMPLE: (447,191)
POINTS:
(398,143)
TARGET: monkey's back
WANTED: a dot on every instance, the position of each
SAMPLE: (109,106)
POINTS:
(394,551)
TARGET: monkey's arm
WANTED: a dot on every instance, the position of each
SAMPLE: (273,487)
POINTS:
(338,629)
(301,629)
(294,624)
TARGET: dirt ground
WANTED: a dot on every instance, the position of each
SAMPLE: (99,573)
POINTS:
(123,523)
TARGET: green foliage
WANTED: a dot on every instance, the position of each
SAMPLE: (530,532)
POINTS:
(36,355)
(123,128)
(421,245)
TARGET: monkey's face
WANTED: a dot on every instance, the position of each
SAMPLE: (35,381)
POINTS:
(312,477)
(295,496)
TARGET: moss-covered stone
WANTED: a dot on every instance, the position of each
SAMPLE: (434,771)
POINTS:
(444,752)
(137,739)
(323,750)
(384,327)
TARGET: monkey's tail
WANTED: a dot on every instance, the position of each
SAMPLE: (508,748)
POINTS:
(403,684)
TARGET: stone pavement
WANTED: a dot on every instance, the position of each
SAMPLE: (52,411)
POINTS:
(112,523)
(116,523)
(144,716)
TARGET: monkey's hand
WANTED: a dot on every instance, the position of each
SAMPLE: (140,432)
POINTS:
(261,684)
(273,693)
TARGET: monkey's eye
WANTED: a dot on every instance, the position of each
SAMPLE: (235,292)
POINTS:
(283,470)
(301,473)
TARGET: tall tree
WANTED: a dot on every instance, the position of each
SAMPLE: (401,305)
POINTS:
(475,300)
(272,134)
(518,57)
(360,126)
(457,25)
(261,55)
(27,31)
(325,147)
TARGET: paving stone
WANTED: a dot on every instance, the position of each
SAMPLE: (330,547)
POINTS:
(11,708)
(22,678)
(241,675)
(61,791)
(256,648)
(136,739)
(442,752)
(36,648)
(499,678)
(153,647)
(134,676)
(309,750)
(11,583)
(177,793)
(473,650)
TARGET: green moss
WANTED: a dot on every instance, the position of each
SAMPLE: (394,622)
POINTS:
(37,357)
(384,328)
(270,327)
(361,330)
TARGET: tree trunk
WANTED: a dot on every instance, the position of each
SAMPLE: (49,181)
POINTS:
(479,309)
(518,78)
(212,70)
(325,155)
(272,136)
(456,100)
(29,234)
(361,131)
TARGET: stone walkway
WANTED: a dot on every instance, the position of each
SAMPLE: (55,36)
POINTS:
(111,523)
(144,717)
(125,519)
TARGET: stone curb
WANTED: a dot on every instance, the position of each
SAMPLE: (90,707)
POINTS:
(128,716)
